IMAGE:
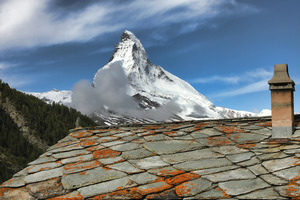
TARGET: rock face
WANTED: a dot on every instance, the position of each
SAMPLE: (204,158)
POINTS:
(22,124)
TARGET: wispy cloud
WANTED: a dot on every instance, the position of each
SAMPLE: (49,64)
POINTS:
(248,82)
(13,80)
(254,75)
(4,65)
(31,23)
(217,78)
(250,88)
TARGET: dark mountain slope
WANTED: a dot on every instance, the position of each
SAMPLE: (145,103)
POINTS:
(28,126)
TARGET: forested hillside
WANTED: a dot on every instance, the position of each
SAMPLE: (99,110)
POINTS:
(28,126)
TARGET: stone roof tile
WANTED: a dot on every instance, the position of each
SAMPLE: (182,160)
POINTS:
(228,158)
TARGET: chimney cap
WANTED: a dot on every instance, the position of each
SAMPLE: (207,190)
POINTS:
(281,78)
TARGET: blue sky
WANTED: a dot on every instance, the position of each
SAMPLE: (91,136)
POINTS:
(226,49)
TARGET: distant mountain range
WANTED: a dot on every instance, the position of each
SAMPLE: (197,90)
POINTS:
(131,89)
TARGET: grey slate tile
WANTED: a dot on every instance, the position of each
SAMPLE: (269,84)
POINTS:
(125,147)
(14,182)
(125,167)
(290,173)
(71,154)
(274,180)
(171,146)
(149,163)
(43,167)
(235,158)
(43,175)
(73,181)
(215,170)
(189,156)
(41,160)
(227,150)
(192,188)
(203,164)
(106,187)
(258,169)
(211,194)
(252,161)
(268,193)
(143,178)
(279,164)
(136,154)
(243,186)
(236,174)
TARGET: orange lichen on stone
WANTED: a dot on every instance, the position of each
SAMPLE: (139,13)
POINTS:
(149,133)
(63,144)
(105,153)
(80,165)
(94,148)
(88,138)
(130,193)
(234,136)
(170,172)
(264,124)
(174,126)
(88,143)
(14,193)
(70,196)
(218,141)
(153,127)
(181,178)
(291,189)
(182,189)
(247,146)
(145,191)
(224,192)
(199,126)
(230,129)
(168,194)
(169,132)
(46,189)
(81,134)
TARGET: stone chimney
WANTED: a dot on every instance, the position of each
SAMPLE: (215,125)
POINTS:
(282,98)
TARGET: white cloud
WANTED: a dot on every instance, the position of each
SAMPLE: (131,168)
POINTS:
(4,65)
(250,88)
(31,23)
(250,76)
(13,80)
(216,78)
(248,82)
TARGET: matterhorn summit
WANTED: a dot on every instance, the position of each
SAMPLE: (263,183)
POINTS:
(131,89)
(160,95)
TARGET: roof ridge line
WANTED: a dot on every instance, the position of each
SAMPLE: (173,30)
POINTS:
(265,118)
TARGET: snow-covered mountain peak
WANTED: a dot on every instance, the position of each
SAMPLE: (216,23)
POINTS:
(130,88)
(138,68)
(151,85)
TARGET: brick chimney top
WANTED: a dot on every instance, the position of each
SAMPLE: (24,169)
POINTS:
(281,78)
(282,97)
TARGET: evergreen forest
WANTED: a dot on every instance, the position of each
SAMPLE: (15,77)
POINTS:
(50,123)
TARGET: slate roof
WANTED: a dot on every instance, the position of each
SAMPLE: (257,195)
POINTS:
(221,159)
